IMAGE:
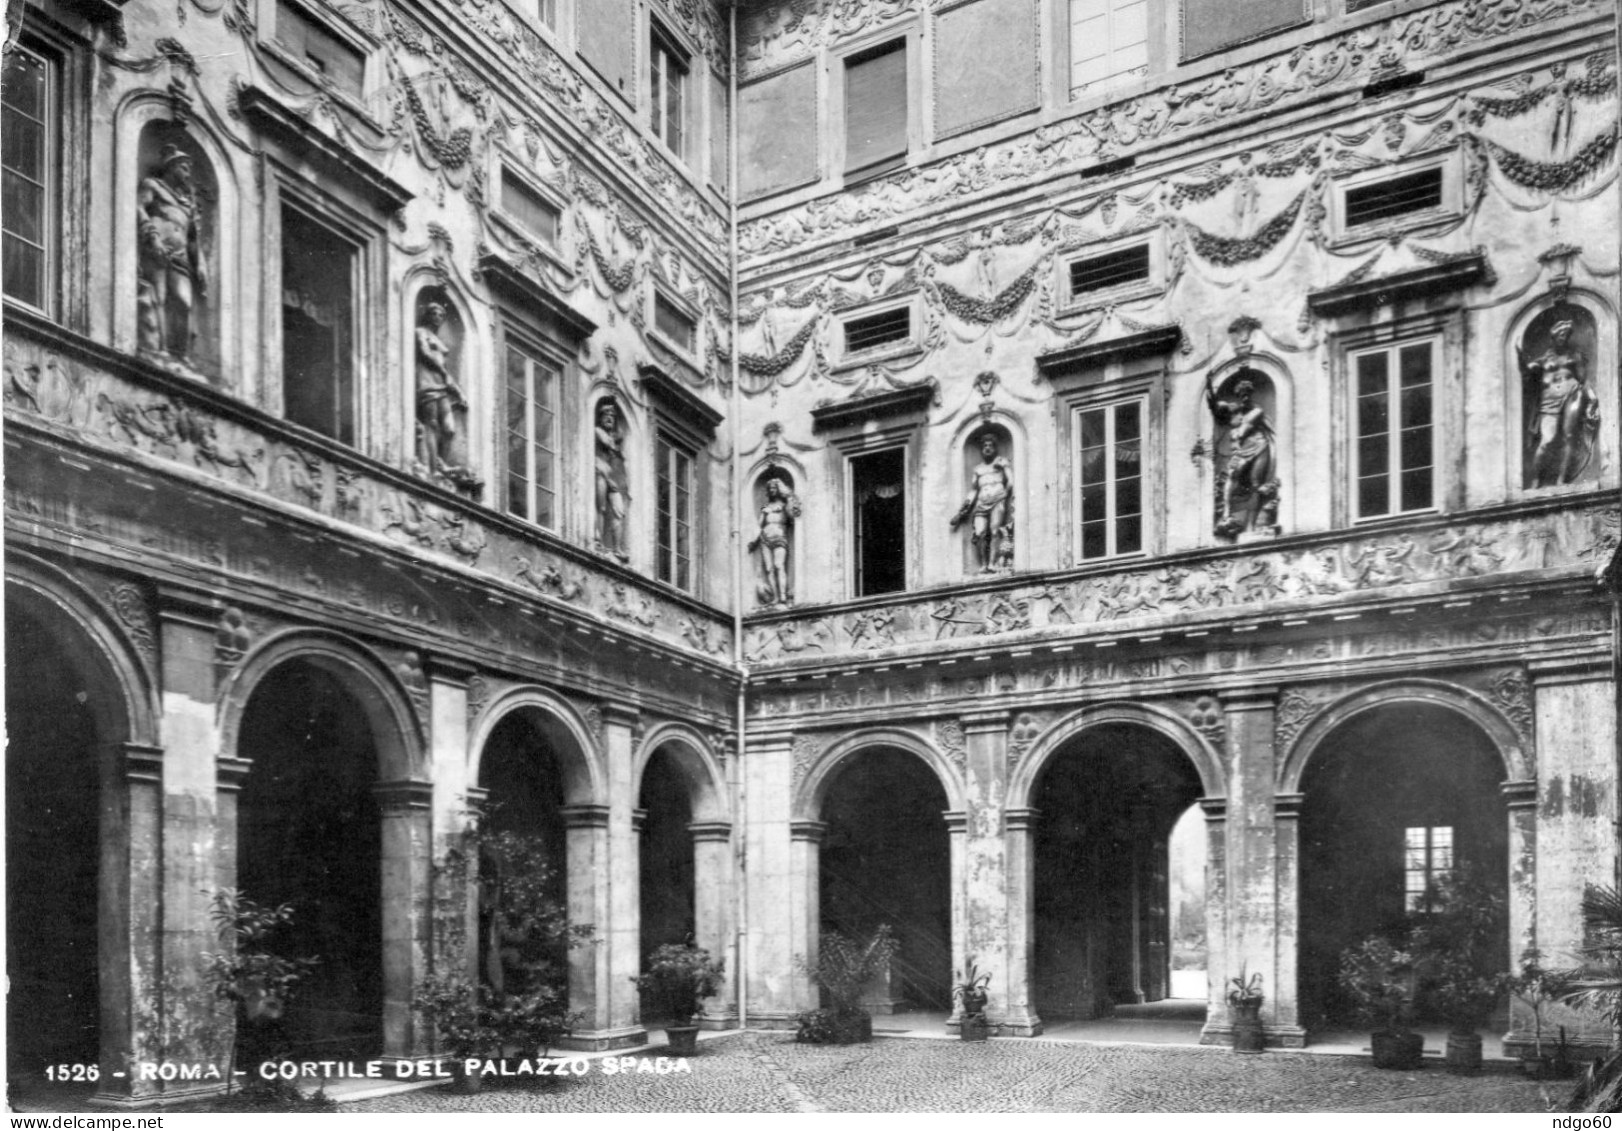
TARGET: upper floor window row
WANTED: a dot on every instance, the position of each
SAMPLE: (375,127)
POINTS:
(29,146)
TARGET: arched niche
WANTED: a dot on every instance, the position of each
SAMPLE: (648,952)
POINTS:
(443,361)
(178,283)
(774,540)
(611,478)
(1245,422)
(986,515)
(1558,357)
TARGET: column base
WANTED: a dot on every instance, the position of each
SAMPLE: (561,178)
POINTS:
(712,1022)
(1273,1036)
(1017,1023)
(774,1020)
(599,1040)
(184,1094)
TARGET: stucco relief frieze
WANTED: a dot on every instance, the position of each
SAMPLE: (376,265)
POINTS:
(1026,728)
(130,606)
(1450,553)
(118,413)
(949,739)
(805,752)
(1297,707)
(771,36)
(1351,59)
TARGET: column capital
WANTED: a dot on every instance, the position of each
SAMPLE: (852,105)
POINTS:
(1216,808)
(394,797)
(616,713)
(445,669)
(585,816)
(1020,820)
(812,831)
(776,742)
(230,773)
(142,762)
(1287,806)
(639,820)
(985,722)
(957,820)
(710,831)
(1522,793)
(1569,669)
(1248,698)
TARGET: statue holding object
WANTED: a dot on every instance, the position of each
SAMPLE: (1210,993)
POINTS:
(1249,491)
(777,517)
(989,508)
(1565,427)
(613,492)
(172,275)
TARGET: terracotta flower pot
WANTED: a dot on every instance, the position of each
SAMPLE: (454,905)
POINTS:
(683,1040)
(1396,1050)
(973,1027)
(1247,1026)
(1464,1053)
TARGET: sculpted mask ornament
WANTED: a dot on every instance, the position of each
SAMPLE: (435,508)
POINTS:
(1564,422)
(1246,461)
(172,275)
(989,508)
(613,495)
(775,541)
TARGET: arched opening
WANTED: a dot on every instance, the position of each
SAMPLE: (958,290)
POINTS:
(1187,854)
(53,792)
(1393,798)
(310,835)
(667,871)
(525,791)
(1109,801)
(886,858)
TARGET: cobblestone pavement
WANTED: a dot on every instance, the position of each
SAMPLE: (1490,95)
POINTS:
(769,1072)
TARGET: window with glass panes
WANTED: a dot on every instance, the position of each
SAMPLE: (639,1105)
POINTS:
(532,414)
(667,91)
(1109,462)
(1395,429)
(26,141)
(674,551)
(1109,43)
(1428,857)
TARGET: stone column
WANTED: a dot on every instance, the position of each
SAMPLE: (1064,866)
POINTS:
(450,761)
(805,911)
(1521,805)
(1286,998)
(127,924)
(1019,833)
(712,919)
(957,828)
(1254,893)
(586,864)
(1217,1030)
(621,933)
(406,809)
(775,924)
(1574,707)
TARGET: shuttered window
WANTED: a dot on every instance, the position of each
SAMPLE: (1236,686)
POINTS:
(320,50)
(1109,43)
(876,109)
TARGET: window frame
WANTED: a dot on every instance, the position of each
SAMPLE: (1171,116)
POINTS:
(507,165)
(340,28)
(909,33)
(843,359)
(537,352)
(1109,408)
(1449,209)
(358,302)
(853,535)
(664,43)
(671,447)
(1392,349)
(1154,284)
(52,210)
(1429,870)
(656,294)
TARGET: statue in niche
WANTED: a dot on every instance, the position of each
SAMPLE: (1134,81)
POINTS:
(1246,461)
(989,507)
(613,494)
(777,515)
(1563,430)
(441,404)
(172,274)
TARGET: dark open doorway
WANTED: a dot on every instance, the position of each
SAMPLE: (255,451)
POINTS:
(667,874)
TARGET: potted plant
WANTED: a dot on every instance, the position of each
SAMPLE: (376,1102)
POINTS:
(1538,986)
(843,968)
(1454,939)
(971,996)
(1245,1012)
(248,972)
(684,975)
(1380,980)
(458,1010)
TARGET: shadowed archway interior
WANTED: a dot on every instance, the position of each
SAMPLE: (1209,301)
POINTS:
(667,868)
(310,835)
(1107,802)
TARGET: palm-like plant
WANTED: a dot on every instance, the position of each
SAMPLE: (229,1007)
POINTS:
(1597,983)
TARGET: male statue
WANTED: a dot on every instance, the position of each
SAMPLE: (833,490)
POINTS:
(613,493)
(990,505)
(1567,421)
(172,273)
(777,517)
(439,398)
(1249,491)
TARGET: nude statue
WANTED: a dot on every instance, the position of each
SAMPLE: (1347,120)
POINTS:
(173,276)
(989,506)
(613,493)
(777,517)
(1567,421)
(439,397)
(1249,491)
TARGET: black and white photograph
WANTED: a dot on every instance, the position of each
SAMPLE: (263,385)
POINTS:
(782,556)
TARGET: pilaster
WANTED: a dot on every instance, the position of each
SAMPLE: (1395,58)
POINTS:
(621,932)
(712,867)
(406,811)
(1019,1015)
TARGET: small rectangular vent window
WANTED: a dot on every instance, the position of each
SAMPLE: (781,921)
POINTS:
(874,330)
(532,212)
(1398,196)
(320,50)
(1112,269)
(673,323)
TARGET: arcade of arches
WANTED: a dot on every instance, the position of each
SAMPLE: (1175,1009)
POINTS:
(1068,867)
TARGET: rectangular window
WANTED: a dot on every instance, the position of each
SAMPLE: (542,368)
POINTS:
(674,323)
(529,209)
(27,157)
(673,555)
(1395,433)
(1427,858)
(319,49)
(879,505)
(1393,197)
(1112,269)
(876,109)
(318,327)
(1109,43)
(874,330)
(532,390)
(1109,463)
(667,90)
